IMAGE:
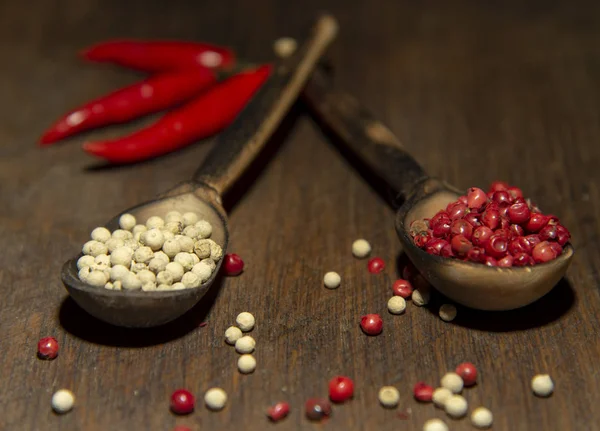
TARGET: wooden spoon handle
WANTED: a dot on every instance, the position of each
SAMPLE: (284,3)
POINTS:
(367,138)
(238,145)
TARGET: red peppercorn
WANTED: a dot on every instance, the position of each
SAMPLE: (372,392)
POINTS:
(435,246)
(476,198)
(402,288)
(515,192)
(278,411)
(462,200)
(423,392)
(340,389)
(47,348)
(317,408)
(473,219)
(182,402)
(371,324)
(181,428)
(519,213)
(461,245)
(548,232)
(536,222)
(233,264)
(501,197)
(563,235)
(476,254)
(376,265)
(446,251)
(456,210)
(557,248)
(533,240)
(461,227)
(467,372)
(490,261)
(409,271)
(491,218)
(519,245)
(422,239)
(481,235)
(499,186)
(522,259)
(497,246)
(506,261)
(544,252)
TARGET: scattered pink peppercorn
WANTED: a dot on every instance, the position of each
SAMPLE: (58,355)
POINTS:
(341,388)
(233,264)
(182,402)
(402,288)
(47,348)
(317,408)
(409,271)
(467,372)
(376,265)
(278,411)
(371,324)
(181,428)
(423,392)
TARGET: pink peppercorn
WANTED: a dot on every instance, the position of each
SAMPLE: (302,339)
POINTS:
(544,252)
(371,324)
(499,186)
(467,372)
(423,392)
(402,288)
(476,198)
(278,411)
(181,428)
(341,389)
(317,408)
(376,265)
(182,402)
(233,264)
(47,348)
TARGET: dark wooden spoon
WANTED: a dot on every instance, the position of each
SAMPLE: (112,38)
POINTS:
(474,285)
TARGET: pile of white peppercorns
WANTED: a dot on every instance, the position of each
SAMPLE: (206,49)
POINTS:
(173,253)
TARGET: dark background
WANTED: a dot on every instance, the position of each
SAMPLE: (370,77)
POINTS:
(477,91)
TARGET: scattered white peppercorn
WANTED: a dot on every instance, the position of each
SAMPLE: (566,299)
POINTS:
(175,269)
(178,286)
(63,401)
(246,364)
(85,260)
(232,334)
(94,248)
(153,238)
(186,243)
(332,280)
(189,218)
(245,321)
(157,265)
(542,385)
(143,254)
(164,277)
(245,344)
(185,260)
(396,305)
(435,425)
(215,398)
(361,248)
(453,382)
(113,244)
(447,312)
(420,298)
(127,221)
(100,234)
(138,228)
(122,234)
(389,396)
(155,222)
(190,280)
(204,229)
(482,418)
(456,406)
(121,256)
(131,282)
(174,216)
(440,396)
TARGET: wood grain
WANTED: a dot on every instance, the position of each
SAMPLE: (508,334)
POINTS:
(476,91)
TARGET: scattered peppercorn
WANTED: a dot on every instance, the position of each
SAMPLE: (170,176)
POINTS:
(63,401)
(232,334)
(482,418)
(245,321)
(215,399)
(456,406)
(317,408)
(402,288)
(447,312)
(341,388)
(435,425)
(278,411)
(376,265)
(332,280)
(371,324)
(245,344)
(233,264)
(423,392)
(361,248)
(542,385)
(396,305)
(420,297)
(467,372)
(453,382)
(47,348)
(440,396)
(182,402)
(388,396)
(246,364)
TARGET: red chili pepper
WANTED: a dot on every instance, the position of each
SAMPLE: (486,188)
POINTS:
(160,56)
(202,117)
(134,101)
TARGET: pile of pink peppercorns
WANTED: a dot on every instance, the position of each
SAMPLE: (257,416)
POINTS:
(497,228)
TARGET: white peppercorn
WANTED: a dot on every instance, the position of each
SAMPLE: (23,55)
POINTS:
(211,263)
(482,418)
(388,396)
(137,267)
(84,273)
(63,401)
(108,285)
(117,285)
(447,312)
(190,280)
(117,272)
(143,254)
(167,235)
(155,222)
(102,268)
(148,286)
(232,334)
(171,247)
(542,385)
(245,321)
(121,256)
(216,252)
(96,278)
(361,248)
(246,364)
(456,406)
(204,229)
(146,275)
(332,280)
(185,260)
(94,248)
(189,218)
(114,243)
(102,259)
(175,269)
(174,227)
(131,282)
(191,231)
(122,234)
(162,255)
(139,228)
(153,238)
(215,398)
(157,264)
(440,396)
(163,287)
(85,260)
(164,277)
(178,286)
(100,234)
(186,243)
(285,46)
(435,425)
(245,344)
(174,216)
(195,258)
(396,305)
(127,221)
(132,243)
(453,382)
(202,270)
(202,248)
(420,298)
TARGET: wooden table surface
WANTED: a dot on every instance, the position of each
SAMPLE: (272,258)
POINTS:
(477,91)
